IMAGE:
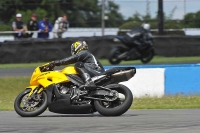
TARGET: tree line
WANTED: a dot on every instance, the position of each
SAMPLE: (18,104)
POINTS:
(85,13)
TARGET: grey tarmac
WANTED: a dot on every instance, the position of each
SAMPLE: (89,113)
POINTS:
(15,72)
(133,121)
(12,72)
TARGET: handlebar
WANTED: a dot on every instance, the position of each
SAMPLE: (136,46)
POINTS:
(46,68)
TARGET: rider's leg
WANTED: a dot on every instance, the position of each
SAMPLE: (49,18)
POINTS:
(85,76)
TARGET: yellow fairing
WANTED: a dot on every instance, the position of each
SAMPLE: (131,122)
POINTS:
(69,70)
(50,77)
(44,79)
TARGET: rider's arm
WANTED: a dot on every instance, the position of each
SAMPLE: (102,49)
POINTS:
(67,61)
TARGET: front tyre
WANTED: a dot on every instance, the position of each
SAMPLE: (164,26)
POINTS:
(117,107)
(113,56)
(30,107)
(147,56)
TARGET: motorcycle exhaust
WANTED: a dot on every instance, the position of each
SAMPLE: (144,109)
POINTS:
(123,75)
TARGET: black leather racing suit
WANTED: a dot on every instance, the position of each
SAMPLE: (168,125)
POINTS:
(85,62)
(137,36)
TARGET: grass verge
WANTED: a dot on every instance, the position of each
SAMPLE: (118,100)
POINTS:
(156,60)
(167,102)
(10,87)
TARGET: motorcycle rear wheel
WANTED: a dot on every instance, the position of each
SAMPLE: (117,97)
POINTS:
(28,111)
(116,108)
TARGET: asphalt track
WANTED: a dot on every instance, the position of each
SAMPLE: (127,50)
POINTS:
(134,121)
(16,72)
(28,71)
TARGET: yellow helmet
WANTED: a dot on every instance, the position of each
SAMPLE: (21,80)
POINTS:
(78,46)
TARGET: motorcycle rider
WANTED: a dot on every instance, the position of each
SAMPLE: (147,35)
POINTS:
(138,35)
(145,33)
(85,63)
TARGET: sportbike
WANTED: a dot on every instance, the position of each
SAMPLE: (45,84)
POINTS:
(64,92)
(130,51)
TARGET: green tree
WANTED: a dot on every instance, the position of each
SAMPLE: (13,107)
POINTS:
(81,13)
(189,19)
(84,14)
(136,17)
(26,7)
(115,19)
(192,20)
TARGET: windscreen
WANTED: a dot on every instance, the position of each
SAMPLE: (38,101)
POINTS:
(133,34)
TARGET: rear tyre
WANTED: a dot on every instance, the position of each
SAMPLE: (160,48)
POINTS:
(116,108)
(114,53)
(26,107)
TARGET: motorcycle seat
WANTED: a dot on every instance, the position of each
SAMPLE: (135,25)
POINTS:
(116,69)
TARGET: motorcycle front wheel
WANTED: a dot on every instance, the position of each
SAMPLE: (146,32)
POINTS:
(147,56)
(30,106)
(113,56)
(117,107)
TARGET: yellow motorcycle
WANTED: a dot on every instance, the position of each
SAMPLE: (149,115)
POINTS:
(64,92)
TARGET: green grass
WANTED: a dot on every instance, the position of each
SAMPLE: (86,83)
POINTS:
(167,102)
(156,60)
(10,87)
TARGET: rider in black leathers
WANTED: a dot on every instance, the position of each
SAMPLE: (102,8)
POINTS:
(138,35)
(85,63)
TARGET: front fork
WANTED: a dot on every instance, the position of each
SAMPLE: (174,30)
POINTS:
(34,90)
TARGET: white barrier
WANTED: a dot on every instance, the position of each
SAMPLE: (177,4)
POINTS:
(147,82)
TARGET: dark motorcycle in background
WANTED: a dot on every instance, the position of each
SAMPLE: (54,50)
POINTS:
(132,51)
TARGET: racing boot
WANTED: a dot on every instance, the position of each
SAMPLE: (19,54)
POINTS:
(89,84)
